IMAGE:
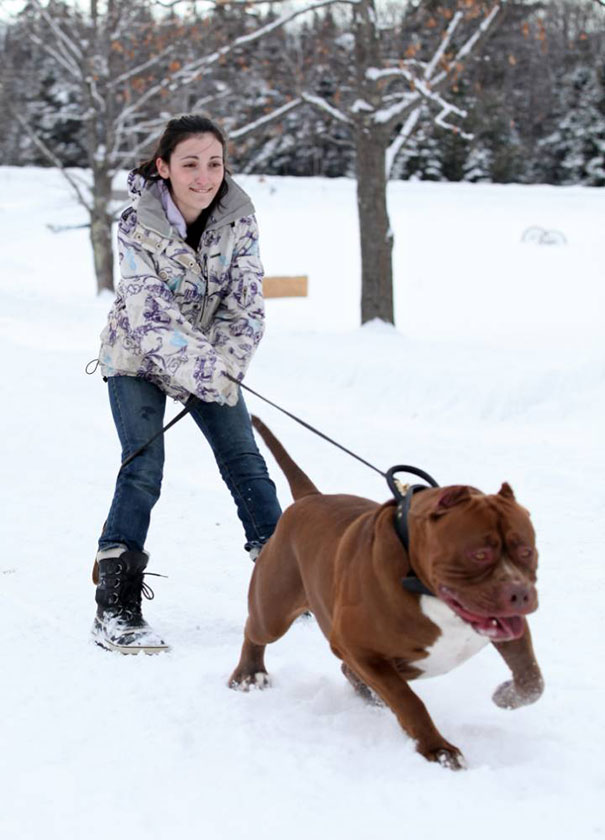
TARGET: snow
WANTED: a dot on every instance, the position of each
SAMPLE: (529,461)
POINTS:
(360,105)
(495,372)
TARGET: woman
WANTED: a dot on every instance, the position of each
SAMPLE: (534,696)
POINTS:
(186,320)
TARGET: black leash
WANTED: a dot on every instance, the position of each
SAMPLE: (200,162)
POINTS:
(310,427)
(188,406)
(91,368)
(389,475)
(411,582)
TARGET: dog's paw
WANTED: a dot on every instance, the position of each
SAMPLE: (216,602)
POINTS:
(450,759)
(240,682)
(509,696)
(445,754)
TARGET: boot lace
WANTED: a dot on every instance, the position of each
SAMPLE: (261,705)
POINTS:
(134,588)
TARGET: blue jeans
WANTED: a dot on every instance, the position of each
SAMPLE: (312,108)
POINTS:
(138,412)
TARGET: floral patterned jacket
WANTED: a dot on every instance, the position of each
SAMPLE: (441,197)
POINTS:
(183,319)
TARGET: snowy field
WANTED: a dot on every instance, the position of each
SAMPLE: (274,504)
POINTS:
(496,371)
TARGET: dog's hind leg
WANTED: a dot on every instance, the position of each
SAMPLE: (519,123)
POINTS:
(364,691)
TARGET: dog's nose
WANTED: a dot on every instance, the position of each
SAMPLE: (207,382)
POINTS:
(520,597)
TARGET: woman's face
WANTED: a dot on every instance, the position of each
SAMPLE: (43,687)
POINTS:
(196,171)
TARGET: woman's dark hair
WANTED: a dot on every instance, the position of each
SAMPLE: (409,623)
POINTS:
(177,130)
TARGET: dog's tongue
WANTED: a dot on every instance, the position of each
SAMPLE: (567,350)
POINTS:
(499,629)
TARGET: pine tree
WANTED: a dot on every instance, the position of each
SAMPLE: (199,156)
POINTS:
(574,153)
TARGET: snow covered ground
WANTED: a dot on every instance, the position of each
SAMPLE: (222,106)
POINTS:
(495,372)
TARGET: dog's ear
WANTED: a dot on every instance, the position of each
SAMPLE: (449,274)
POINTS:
(506,492)
(450,497)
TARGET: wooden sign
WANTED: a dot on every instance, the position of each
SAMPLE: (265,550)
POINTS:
(285,286)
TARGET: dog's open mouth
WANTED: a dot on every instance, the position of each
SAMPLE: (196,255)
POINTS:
(497,628)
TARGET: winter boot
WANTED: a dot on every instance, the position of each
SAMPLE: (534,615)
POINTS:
(119,623)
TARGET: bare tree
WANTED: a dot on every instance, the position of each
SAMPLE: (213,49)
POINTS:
(381,102)
(94,50)
(120,85)
(384,117)
(100,49)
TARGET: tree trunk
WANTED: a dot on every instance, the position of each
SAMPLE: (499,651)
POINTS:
(375,232)
(370,164)
(101,232)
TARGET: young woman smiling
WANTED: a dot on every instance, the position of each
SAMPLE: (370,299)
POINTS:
(187,318)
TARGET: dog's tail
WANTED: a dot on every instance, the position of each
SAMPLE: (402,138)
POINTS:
(300,483)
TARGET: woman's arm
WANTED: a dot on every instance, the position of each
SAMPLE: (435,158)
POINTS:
(239,322)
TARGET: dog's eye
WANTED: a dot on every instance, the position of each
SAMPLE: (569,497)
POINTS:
(525,553)
(482,555)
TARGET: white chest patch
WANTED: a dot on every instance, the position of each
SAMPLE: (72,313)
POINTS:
(457,642)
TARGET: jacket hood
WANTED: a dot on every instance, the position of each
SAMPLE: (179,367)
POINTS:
(145,197)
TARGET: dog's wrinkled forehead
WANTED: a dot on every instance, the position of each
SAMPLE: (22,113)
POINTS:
(467,515)
(512,518)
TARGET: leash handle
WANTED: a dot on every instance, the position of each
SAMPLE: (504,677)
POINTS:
(390,477)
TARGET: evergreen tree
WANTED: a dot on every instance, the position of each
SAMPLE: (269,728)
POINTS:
(574,153)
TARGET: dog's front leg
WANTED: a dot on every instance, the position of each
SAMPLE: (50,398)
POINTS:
(527,683)
(250,671)
(380,674)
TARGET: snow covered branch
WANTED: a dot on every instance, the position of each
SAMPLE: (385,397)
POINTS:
(440,121)
(57,55)
(278,113)
(445,42)
(426,86)
(231,4)
(140,68)
(192,70)
(401,139)
(419,88)
(471,44)
(194,67)
(322,105)
(66,41)
(64,50)
(238,133)
(466,49)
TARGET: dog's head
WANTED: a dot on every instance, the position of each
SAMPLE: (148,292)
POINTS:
(478,554)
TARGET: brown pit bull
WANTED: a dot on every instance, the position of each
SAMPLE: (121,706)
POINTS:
(340,557)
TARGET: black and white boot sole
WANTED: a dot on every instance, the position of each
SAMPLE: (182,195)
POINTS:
(130,641)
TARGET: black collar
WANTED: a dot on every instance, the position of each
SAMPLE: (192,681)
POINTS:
(411,582)
(402,511)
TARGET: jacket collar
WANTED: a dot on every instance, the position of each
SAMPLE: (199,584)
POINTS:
(151,214)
